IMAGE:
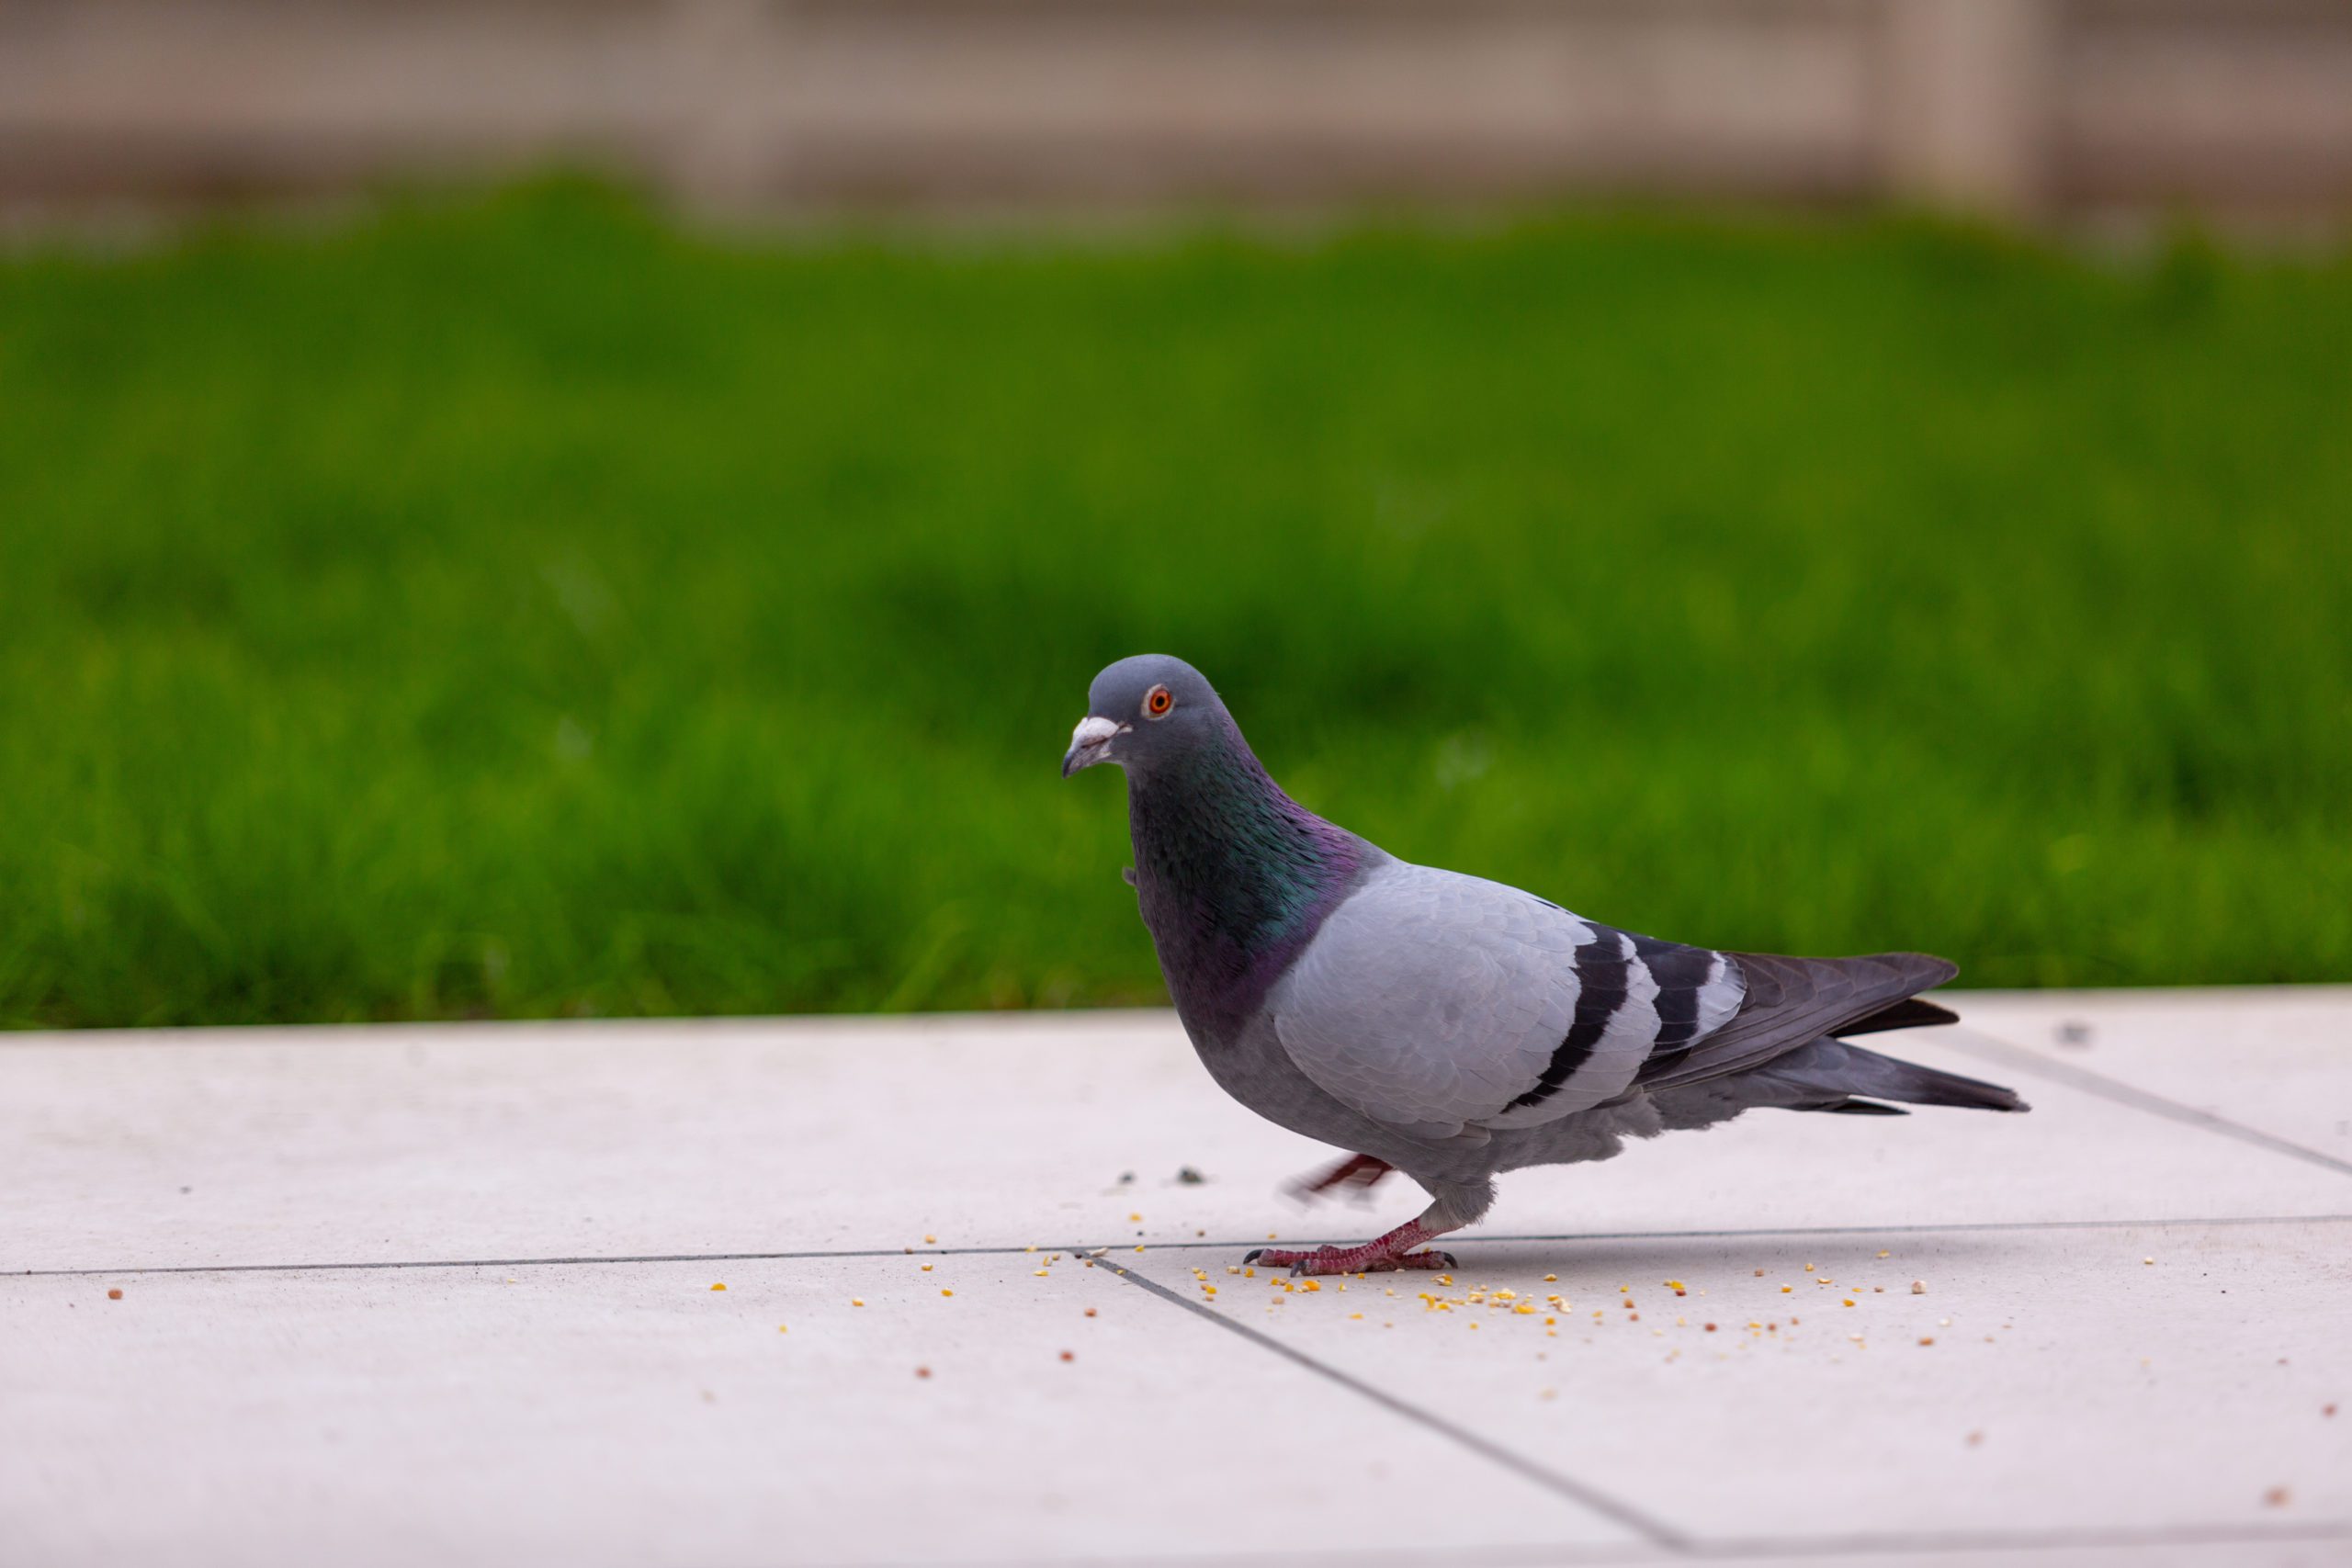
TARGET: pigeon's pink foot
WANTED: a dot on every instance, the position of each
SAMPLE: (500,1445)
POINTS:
(1361,1172)
(1382,1256)
(1350,1260)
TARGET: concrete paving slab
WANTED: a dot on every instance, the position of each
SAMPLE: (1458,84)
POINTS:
(2272,1060)
(263,1408)
(496,1142)
(632,1415)
(2286,1550)
(1829,1400)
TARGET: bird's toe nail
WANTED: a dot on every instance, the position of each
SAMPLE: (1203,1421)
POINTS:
(1254,1254)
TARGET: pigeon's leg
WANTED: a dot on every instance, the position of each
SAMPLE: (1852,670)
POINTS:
(1379,1255)
(1361,1172)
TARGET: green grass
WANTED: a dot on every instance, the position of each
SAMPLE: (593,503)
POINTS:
(528,606)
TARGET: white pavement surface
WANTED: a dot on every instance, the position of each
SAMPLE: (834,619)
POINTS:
(445,1295)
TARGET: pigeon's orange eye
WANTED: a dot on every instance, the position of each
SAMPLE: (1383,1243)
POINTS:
(1156,702)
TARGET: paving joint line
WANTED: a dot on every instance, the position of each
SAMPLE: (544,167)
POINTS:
(1978,1043)
(1652,1529)
(1954,1228)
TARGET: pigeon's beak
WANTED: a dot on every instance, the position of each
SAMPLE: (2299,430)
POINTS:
(1089,743)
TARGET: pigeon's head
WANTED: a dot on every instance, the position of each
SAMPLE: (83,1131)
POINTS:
(1143,710)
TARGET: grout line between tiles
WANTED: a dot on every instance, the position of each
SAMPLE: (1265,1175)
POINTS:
(1960,1228)
(1975,1041)
(1650,1529)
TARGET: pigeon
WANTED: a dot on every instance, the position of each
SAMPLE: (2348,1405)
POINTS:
(1445,1026)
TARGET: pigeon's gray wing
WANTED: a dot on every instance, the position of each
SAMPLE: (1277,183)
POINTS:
(1446,1005)
(1792,1001)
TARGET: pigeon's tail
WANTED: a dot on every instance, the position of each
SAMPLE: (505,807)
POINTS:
(1829,1075)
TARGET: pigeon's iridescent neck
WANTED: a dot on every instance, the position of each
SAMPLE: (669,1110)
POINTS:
(1234,876)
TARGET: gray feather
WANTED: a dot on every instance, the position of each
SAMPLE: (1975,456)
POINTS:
(1792,1001)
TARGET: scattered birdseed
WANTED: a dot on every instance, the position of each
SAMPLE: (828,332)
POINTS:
(1187,1177)
(2278,1496)
(780,1328)
(1090,1312)
(926,1268)
(1711,1327)
(946,1292)
(922,1371)
(1550,1278)
(857,1301)
(718,1287)
(1760,1273)
(1043,1273)
(1976,1439)
(1849,1300)
(1918,1287)
(2149,1261)
(1068,1356)
(1786,1289)
(1808,1267)
(114,1295)
(931,1239)
(1882,1254)
(1926,1339)
(1135,1219)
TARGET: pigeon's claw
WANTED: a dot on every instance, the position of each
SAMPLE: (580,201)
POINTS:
(1369,1259)
(1382,1255)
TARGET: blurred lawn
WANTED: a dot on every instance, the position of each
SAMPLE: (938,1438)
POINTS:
(527,607)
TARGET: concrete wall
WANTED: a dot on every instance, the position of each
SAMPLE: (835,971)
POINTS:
(2015,105)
